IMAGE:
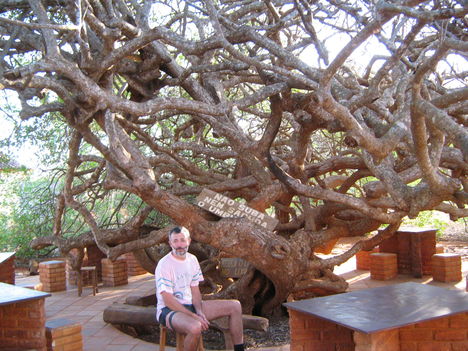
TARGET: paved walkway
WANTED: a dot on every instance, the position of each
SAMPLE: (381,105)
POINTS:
(100,336)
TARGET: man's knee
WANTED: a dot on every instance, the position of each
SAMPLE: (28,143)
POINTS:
(237,306)
(234,306)
(194,328)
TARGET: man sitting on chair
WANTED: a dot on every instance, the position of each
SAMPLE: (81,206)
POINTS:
(180,306)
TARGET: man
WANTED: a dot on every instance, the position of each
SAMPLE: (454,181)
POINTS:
(180,306)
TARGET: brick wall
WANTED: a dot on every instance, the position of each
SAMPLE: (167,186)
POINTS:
(22,325)
(7,270)
(63,335)
(450,333)
(363,259)
(133,266)
(309,333)
(400,243)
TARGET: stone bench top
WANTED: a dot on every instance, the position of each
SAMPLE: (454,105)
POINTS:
(10,294)
(384,308)
(410,229)
(5,256)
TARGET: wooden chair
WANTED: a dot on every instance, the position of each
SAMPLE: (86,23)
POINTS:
(179,340)
(90,272)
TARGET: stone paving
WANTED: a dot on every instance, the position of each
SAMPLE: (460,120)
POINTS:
(100,336)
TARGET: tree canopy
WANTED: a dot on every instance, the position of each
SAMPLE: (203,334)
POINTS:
(336,117)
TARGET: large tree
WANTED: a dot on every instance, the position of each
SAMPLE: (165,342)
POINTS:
(336,117)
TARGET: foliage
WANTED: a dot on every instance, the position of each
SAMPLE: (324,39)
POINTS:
(26,212)
(429,219)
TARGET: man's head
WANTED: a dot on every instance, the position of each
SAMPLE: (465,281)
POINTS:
(179,240)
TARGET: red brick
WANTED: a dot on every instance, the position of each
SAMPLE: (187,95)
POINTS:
(450,335)
(460,345)
(69,339)
(459,320)
(319,346)
(416,335)
(296,320)
(434,346)
(317,323)
(408,346)
(304,334)
(436,323)
(338,335)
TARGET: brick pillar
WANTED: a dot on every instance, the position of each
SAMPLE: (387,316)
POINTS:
(384,266)
(63,335)
(446,267)
(114,272)
(133,266)
(22,325)
(52,276)
(309,333)
(363,259)
(388,340)
(7,267)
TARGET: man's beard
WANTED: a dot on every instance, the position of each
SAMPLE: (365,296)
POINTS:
(180,251)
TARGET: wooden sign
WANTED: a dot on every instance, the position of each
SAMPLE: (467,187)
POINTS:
(225,207)
(233,267)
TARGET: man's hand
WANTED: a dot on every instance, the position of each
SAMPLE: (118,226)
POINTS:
(205,323)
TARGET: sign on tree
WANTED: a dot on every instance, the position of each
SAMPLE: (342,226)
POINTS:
(225,207)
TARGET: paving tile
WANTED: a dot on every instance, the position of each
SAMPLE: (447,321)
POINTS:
(119,348)
(124,339)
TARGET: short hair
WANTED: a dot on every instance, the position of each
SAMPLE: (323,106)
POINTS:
(177,230)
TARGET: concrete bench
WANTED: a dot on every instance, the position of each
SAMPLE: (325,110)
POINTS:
(63,335)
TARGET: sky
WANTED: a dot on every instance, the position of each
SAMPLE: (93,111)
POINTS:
(25,155)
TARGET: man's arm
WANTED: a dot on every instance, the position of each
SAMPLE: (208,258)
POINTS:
(197,303)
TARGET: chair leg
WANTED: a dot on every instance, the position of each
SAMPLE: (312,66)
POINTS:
(180,342)
(200,344)
(180,338)
(94,282)
(80,283)
(162,338)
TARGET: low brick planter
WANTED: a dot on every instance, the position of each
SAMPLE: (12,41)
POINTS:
(446,267)
(383,266)
(114,273)
(52,276)
(63,335)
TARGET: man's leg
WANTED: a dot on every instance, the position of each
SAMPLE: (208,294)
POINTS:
(232,308)
(182,323)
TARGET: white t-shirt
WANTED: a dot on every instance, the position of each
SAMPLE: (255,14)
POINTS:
(176,277)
